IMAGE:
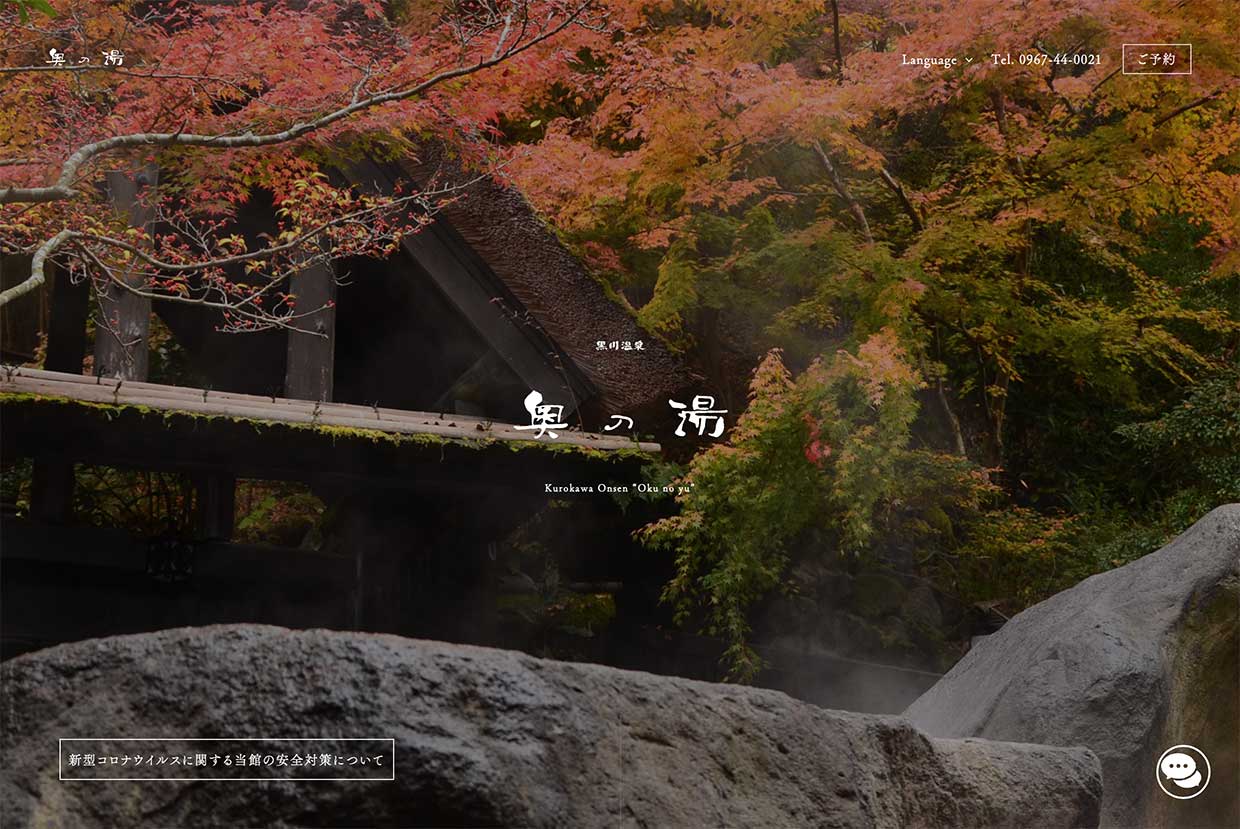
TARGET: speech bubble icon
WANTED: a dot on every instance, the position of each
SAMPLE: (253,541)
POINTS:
(1178,766)
(1192,781)
(1182,772)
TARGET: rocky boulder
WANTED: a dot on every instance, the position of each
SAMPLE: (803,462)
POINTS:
(1130,663)
(487,737)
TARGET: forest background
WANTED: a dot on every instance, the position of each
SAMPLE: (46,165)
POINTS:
(983,322)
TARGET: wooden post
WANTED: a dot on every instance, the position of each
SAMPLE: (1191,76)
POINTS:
(125,317)
(380,591)
(51,490)
(217,505)
(51,482)
(312,349)
(23,320)
(66,330)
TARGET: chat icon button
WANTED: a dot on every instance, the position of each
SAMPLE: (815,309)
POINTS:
(1183,772)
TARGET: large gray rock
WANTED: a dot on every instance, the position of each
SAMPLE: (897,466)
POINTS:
(488,737)
(1128,662)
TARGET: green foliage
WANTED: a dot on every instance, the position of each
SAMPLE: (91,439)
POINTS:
(1188,462)
(1015,555)
(1039,294)
(24,7)
(277,512)
(169,361)
(759,229)
(745,500)
(1195,445)
(675,293)
(145,503)
(15,478)
(582,614)
(820,451)
(659,474)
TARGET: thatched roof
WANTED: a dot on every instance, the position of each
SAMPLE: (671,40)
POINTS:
(555,293)
(551,288)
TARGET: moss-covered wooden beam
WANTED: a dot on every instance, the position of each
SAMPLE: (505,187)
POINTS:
(154,436)
(327,418)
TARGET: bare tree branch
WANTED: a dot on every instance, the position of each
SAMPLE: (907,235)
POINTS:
(36,277)
(286,259)
(1178,111)
(841,188)
(515,35)
(953,422)
(63,188)
(898,189)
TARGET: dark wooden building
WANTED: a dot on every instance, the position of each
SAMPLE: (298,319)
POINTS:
(402,417)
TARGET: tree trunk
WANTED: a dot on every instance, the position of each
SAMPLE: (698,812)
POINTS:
(124,317)
(953,422)
(839,47)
